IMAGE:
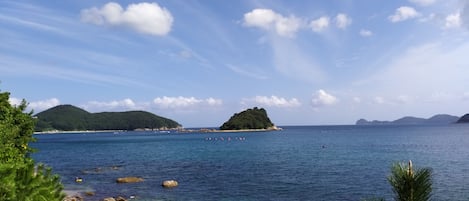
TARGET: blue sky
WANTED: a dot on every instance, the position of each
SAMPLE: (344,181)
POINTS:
(198,62)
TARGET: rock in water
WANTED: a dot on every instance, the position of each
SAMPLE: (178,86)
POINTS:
(169,183)
(120,198)
(129,180)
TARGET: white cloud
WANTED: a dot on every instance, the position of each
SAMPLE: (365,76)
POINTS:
(403,13)
(111,105)
(36,105)
(365,33)
(213,101)
(148,18)
(287,26)
(263,18)
(320,24)
(184,102)
(453,21)
(14,101)
(270,20)
(44,104)
(342,21)
(322,98)
(274,101)
(423,2)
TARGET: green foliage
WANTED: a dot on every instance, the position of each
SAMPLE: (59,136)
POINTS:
(29,182)
(249,119)
(16,130)
(409,184)
(71,118)
(20,178)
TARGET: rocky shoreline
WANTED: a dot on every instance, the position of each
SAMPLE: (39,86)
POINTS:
(76,195)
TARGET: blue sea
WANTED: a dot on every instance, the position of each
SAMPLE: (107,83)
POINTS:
(297,163)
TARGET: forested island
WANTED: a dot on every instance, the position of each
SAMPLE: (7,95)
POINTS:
(464,119)
(440,119)
(254,118)
(71,118)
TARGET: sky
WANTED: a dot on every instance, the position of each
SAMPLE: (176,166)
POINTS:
(324,62)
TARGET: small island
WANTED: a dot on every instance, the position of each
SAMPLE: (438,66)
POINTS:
(254,119)
(71,118)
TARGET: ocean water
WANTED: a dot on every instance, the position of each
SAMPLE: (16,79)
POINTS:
(298,163)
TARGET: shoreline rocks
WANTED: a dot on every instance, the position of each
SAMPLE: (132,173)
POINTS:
(120,198)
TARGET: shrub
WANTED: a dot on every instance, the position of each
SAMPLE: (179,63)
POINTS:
(20,178)
(409,184)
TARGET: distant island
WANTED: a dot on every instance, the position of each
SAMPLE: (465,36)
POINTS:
(440,119)
(249,119)
(464,119)
(71,118)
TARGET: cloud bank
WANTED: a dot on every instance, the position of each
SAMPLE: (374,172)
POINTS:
(272,101)
(37,106)
(124,104)
(270,20)
(184,102)
(147,18)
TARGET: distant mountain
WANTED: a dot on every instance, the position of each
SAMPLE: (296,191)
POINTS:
(464,119)
(440,119)
(71,118)
(248,119)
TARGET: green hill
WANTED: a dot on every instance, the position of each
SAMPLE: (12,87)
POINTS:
(71,118)
(249,119)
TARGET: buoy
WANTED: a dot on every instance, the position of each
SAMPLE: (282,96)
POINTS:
(78,179)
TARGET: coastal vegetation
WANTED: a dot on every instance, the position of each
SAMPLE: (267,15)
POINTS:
(254,118)
(71,118)
(20,177)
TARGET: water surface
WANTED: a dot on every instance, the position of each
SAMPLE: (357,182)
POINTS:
(298,163)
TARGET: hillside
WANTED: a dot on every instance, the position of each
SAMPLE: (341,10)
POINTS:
(249,119)
(71,118)
(464,119)
(440,119)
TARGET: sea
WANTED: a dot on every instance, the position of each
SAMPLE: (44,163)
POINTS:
(296,163)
